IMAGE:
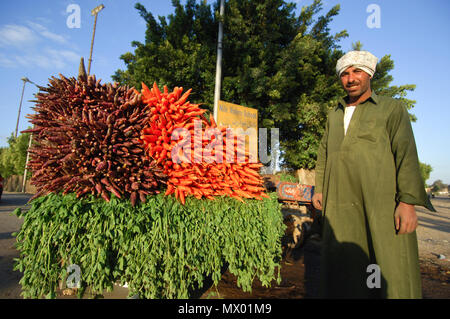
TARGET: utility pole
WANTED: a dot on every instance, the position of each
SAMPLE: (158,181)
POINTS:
(219,61)
(26,164)
(31,135)
(94,12)
(25,80)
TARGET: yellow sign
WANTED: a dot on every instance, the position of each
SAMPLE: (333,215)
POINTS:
(244,121)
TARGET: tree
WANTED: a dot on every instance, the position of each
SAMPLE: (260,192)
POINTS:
(274,61)
(425,171)
(306,87)
(382,79)
(278,63)
(13,158)
(178,51)
(438,186)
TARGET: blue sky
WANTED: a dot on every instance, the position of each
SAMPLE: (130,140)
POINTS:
(36,42)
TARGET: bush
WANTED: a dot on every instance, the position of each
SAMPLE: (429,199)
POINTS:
(13,158)
(162,249)
(287,177)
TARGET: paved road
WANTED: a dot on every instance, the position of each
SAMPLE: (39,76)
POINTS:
(9,279)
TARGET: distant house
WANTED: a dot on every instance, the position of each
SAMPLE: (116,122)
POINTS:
(442,192)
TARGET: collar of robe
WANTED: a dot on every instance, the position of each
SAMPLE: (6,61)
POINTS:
(342,104)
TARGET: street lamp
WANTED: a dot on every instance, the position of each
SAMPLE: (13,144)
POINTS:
(25,80)
(94,12)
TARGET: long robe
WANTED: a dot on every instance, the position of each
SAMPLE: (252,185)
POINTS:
(363,175)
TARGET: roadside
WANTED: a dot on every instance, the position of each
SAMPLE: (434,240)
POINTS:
(433,235)
(9,279)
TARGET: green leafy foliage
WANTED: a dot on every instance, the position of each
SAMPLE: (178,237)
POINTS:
(425,170)
(381,82)
(178,51)
(13,158)
(287,177)
(438,186)
(162,249)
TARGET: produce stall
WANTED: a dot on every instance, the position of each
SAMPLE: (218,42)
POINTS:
(120,197)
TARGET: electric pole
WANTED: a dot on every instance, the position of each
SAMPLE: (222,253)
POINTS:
(219,60)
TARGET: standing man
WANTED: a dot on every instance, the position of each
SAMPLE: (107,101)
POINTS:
(367,183)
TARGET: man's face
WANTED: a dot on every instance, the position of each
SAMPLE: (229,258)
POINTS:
(355,81)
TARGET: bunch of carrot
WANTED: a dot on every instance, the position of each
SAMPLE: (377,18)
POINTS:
(85,140)
(196,172)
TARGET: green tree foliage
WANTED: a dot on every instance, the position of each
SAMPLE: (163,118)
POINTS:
(305,87)
(425,171)
(178,51)
(438,186)
(13,158)
(382,79)
(273,60)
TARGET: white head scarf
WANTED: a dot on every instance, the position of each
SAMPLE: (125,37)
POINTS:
(363,60)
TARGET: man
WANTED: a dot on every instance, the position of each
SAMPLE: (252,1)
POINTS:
(367,183)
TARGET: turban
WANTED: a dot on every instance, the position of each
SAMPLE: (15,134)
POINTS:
(363,60)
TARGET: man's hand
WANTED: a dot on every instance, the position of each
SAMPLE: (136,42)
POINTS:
(405,218)
(317,201)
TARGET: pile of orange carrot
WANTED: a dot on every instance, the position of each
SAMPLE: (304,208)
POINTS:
(196,166)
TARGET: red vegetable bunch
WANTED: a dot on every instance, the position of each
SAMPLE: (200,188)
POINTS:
(86,140)
(194,152)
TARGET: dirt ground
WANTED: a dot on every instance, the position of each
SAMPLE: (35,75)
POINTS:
(299,269)
(433,236)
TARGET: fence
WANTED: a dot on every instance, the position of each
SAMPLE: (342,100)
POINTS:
(13,183)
